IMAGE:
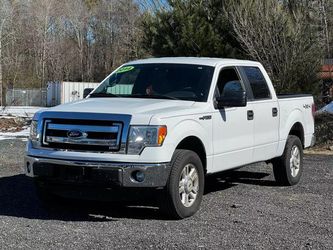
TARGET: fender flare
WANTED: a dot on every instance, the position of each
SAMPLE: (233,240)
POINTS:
(296,116)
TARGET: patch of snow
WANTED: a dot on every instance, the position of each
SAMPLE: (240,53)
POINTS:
(23,135)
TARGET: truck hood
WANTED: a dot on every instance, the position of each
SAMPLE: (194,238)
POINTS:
(141,109)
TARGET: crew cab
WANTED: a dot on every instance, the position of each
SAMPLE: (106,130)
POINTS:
(161,125)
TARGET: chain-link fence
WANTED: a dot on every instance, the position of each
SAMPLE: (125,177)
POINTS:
(26,97)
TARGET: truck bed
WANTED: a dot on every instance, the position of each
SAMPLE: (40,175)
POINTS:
(296,108)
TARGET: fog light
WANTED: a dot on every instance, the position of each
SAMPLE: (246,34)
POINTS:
(28,167)
(139,176)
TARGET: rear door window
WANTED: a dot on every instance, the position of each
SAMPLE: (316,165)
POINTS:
(257,82)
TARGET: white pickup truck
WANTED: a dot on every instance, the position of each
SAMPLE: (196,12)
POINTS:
(161,125)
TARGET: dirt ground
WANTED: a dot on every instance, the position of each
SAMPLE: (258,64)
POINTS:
(243,209)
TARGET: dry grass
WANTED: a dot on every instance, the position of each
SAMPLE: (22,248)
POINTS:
(12,124)
(320,150)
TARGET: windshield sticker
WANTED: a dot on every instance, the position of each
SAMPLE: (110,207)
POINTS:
(125,69)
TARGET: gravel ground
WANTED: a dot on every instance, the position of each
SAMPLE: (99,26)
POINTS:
(242,209)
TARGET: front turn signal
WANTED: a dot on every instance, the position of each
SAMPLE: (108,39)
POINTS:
(162,132)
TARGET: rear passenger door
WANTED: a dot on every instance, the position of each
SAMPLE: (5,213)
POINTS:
(265,111)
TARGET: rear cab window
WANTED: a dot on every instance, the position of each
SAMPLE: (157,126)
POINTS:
(257,83)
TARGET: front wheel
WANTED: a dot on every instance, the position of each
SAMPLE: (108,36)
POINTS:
(289,167)
(184,190)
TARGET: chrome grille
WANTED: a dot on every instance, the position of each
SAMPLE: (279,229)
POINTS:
(83,135)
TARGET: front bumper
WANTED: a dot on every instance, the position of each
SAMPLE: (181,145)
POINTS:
(107,174)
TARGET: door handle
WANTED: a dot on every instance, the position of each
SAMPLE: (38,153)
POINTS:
(250,115)
(274,112)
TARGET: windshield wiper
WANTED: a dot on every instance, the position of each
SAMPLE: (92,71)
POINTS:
(153,96)
(103,95)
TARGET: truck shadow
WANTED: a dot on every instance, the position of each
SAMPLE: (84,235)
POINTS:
(18,199)
(222,181)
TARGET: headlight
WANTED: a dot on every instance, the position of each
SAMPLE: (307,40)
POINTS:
(145,136)
(33,131)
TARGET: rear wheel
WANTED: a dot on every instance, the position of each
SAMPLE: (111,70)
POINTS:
(289,167)
(184,190)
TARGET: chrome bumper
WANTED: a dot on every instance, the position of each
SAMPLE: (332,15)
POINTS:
(155,175)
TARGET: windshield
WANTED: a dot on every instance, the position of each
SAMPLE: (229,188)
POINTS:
(161,81)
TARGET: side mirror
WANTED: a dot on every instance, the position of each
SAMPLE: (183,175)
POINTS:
(236,99)
(87,91)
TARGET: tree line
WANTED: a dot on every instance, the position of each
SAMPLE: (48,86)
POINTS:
(290,37)
(84,40)
(76,40)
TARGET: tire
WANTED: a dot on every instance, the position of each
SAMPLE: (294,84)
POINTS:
(288,168)
(185,186)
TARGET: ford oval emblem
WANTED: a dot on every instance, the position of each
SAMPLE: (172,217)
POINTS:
(75,134)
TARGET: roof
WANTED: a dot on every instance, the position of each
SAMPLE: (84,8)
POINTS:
(193,60)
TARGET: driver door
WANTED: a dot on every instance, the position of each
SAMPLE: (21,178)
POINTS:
(233,127)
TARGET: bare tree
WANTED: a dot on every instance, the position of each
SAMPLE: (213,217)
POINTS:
(285,42)
(78,17)
(6,13)
(117,33)
(323,10)
(42,25)
(50,40)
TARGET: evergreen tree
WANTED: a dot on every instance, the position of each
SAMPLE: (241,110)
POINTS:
(190,28)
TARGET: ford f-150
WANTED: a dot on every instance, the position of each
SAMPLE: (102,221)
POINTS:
(162,125)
